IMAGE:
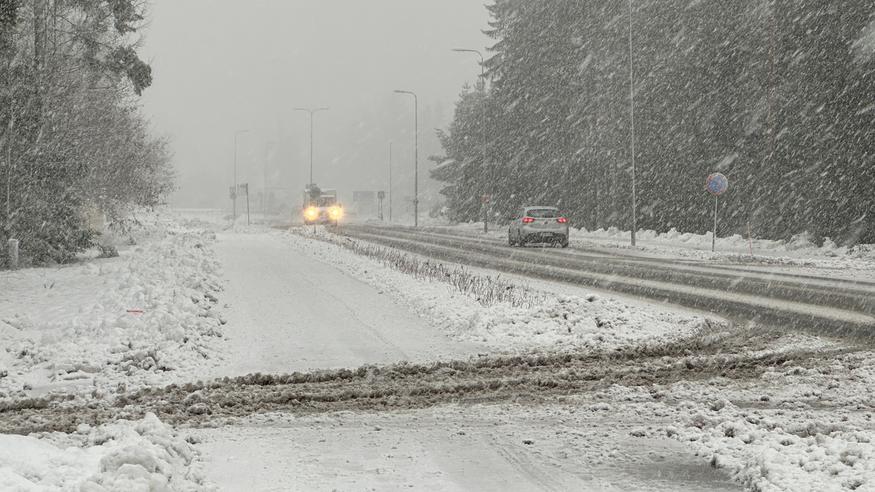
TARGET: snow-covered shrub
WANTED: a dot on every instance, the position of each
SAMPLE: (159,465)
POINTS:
(488,290)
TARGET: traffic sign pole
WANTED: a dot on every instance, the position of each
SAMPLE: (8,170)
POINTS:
(714,236)
(716,184)
(485,218)
(248,219)
(485,200)
(749,239)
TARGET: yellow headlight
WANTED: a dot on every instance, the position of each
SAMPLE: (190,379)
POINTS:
(311,213)
(335,213)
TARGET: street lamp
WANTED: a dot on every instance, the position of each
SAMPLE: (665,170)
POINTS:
(311,111)
(632,120)
(236,144)
(415,155)
(269,150)
(390,181)
(485,172)
(482,61)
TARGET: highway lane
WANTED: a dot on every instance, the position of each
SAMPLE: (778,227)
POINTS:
(842,307)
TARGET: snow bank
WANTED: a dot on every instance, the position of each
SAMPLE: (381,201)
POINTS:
(564,322)
(800,245)
(770,452)
(144,455)
(149,316)
(798,427)
(795,428)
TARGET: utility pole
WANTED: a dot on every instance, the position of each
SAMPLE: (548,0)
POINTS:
(11,242)
(390,181)
(486,174)
(311,111)
(415,155)
(39,33)
(248,219)
(9,175)
(264,182)
(632,120)
(6,43)
(7,49)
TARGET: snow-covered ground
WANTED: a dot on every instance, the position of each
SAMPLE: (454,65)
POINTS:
(802,440)
(796,428)
(147,317)
(455,448)
(187,303)
(144,455)
(798,251)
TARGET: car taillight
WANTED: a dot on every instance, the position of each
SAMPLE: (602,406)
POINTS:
(528,220)
(562,220)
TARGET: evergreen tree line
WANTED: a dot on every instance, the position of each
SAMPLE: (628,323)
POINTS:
(73,143)
(778,95)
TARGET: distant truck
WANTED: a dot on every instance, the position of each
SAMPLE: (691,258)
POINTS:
(321,206)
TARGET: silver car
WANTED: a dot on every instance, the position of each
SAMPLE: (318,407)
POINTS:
(538,225)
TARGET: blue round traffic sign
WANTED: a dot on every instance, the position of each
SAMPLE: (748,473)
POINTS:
(717,184)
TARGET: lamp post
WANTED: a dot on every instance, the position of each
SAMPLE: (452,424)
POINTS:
(236,144)
(632,120)
(269,150)
(485,172)
(415,155)
(390,181)
(311,111)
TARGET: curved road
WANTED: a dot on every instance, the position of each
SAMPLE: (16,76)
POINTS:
(841,307)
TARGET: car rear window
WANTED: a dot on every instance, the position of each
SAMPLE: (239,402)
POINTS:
(543,213)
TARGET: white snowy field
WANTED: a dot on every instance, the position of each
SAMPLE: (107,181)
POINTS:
(147,317)
(250,299)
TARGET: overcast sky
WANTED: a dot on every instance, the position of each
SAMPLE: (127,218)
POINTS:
(222,65)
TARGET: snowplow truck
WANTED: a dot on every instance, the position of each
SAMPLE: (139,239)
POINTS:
(321,206)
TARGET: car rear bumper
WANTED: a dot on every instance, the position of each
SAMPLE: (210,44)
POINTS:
(562,231)
(544,234)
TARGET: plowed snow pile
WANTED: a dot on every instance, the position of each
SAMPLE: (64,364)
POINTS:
(796,428)
(124,455)
(146,317)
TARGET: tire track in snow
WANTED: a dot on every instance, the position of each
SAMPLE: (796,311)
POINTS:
(534,378)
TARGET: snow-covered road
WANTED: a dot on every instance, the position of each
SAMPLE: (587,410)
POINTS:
(288,312)
(454,448)
(776,299)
